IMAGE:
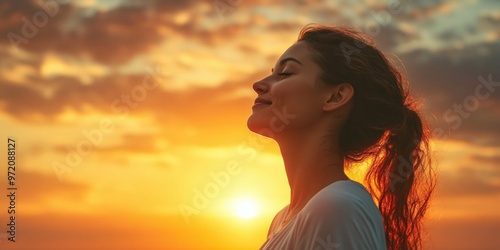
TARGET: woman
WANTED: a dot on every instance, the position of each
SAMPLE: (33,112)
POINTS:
(332,100)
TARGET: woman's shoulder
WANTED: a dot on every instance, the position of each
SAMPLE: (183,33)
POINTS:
(341,214)
(339,198)
(277,220)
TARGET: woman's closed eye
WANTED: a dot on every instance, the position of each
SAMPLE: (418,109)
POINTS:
(284,74)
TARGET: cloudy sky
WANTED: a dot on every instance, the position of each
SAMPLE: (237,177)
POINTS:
(130,116)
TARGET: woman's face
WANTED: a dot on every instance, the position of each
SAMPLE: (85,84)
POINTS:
(291,97)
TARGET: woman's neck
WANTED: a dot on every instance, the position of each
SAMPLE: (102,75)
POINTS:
(311,164)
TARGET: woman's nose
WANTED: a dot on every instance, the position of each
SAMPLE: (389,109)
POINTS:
(260,87)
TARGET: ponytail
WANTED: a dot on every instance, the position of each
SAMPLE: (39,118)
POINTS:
(402,181)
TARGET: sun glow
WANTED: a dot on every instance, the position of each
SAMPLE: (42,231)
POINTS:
(245,208)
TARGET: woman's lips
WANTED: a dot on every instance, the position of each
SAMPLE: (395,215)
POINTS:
(261,102)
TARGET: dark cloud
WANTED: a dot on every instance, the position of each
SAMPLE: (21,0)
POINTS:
(68,93)
(413,10)
(490,19)
(219,36)
(391,36)
(450,36)
(112,36)
(108,37)
(171,6)
(449,78)
(32,26)
(12,95)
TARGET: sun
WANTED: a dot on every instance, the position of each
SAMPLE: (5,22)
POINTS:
(245,208)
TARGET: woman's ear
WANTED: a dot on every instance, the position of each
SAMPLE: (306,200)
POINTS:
(339,95)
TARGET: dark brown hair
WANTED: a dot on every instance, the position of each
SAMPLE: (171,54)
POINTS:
(383,126)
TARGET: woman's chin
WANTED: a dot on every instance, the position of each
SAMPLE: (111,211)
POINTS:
(253,123)
(258,125)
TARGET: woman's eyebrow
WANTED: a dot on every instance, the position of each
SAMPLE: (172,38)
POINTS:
(284,60)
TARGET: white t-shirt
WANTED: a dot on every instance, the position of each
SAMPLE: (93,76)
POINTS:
(340,216)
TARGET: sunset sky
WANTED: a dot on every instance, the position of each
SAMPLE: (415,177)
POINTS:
(130,116)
